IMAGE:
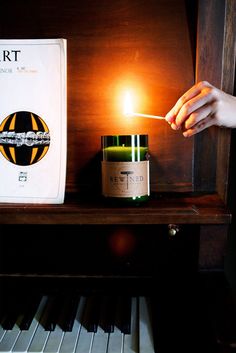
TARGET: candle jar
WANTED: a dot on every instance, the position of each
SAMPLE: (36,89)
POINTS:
(125,168)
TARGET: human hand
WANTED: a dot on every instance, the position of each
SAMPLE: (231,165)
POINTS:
(202,106)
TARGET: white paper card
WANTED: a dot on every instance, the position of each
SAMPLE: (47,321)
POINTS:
(33,126)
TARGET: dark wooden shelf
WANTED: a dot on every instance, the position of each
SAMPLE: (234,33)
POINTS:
(160,209)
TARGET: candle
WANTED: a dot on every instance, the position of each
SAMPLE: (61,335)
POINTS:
(124,153)
(125,168)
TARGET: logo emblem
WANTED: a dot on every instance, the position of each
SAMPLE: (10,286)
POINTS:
(24,138)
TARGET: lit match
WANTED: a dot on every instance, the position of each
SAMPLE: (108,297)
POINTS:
(128,109)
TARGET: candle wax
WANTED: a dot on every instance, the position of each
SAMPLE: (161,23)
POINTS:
(125,153)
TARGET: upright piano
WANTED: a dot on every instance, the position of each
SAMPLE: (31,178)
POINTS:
(85,276)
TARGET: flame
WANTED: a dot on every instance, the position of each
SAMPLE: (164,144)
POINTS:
(128,104)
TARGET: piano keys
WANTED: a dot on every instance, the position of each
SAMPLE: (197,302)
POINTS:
(127,328)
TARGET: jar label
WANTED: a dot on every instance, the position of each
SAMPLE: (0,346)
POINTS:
(125,179)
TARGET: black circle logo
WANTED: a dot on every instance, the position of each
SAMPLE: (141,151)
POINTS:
(24,138)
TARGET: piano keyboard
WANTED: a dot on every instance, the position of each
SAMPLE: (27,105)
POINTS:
(78,325)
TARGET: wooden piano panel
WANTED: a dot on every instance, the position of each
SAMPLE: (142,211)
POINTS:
(159,48)
(127,251)
(114,45)
(152,44)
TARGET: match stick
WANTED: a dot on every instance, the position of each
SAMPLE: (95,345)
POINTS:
(147,115)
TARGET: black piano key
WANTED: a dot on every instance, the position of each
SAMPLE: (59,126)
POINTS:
(108,312)
(92,312)
(3,300)
(53,311)
(69,310)
(124,308)
(13,311)
(30,307)
(9,320)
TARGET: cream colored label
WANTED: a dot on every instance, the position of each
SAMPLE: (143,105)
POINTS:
(125,179)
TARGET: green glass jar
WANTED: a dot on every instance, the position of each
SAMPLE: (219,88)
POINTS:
(125,168)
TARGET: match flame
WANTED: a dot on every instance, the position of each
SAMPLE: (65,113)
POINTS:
(128,104)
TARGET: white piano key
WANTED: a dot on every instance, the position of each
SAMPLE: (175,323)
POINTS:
(131,341)
(54,340)
(24,339)
(85,341)
(9,339)
(39,339)
(146,343)
(70,338)
(2,333)
(100,341)
(115,342)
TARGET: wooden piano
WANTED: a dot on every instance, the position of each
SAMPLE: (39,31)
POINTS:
(85,276)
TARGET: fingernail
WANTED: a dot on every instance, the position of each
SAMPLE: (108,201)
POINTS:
(169,117)
(186,134)
(174,126)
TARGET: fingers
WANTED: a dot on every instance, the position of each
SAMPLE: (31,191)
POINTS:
(194,110)
(203,124)
(192,92)
(195,107)
(196,96)
(198,115)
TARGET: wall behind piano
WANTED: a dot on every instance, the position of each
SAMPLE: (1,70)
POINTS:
(112,45)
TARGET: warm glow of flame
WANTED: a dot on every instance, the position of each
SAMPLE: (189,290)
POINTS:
(128,104)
